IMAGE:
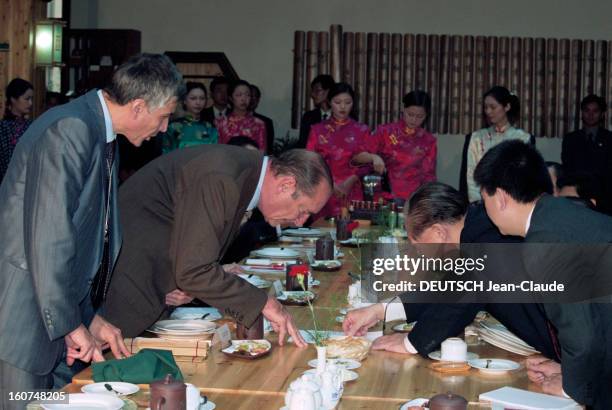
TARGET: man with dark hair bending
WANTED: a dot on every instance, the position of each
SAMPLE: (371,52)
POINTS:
(515,187)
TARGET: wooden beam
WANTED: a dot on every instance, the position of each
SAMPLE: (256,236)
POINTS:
(17,23)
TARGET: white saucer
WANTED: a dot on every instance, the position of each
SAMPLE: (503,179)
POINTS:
(347,364)
(340,318)
(437,355)
(89,401)
(415,402)
(123,388)
(496,366)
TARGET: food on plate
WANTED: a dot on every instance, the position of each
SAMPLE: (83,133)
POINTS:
(348,347)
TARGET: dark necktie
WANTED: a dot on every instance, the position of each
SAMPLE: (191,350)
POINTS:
(100,283)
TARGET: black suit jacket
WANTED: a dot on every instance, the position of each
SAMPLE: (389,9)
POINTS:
(441,321)
(581,155)
(179,214)
(269,131)
(208,115)
(584,329)
(309,119)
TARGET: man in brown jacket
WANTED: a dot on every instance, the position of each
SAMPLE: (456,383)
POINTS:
(180,213)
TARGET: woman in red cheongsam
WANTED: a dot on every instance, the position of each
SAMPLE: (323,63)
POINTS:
(241,122)
(405,149)
(338,140)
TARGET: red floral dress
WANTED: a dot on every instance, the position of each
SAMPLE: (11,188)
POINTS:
(248,126)
(338,142)
(409,156)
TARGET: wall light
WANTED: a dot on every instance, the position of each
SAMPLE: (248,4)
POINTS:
(48,42)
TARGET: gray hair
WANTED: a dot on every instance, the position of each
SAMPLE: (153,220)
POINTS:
(152,77)
(308,168)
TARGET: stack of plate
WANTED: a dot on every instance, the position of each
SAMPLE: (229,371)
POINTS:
(303,232)
(498,335)
(183,329)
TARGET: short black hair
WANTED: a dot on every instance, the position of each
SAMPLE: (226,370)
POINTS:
(255,90)
(515,167)
(216,82)
(417,98)
(592,98)
(431,203)
(241,141)
(587,185)
(326,81)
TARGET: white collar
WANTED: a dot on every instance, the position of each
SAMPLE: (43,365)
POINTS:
(219,112)
(528,222)
(108,122)
(257,194)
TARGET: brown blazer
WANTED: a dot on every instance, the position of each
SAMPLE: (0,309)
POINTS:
(179,215)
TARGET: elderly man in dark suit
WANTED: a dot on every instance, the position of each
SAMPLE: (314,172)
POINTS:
(181,212)
(437,213)
(59,225)
(514,183)
(319,87)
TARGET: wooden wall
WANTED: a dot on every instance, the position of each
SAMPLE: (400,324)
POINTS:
(17,19)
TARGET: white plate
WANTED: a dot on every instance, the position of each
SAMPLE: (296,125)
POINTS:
(208,406)
(303,232)
(346,364)
(437,355)
(414,403)
(256,281)
(186,313)
(347,375)
(404,327)
(88,401)
(235,343)
(184,326)
(289,294)
(354,241)
(276,253)
(340,319)
(123,388)
(496,366)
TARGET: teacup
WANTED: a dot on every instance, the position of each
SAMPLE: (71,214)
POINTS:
(454,349)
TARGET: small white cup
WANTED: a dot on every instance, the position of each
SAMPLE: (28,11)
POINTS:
(454,349)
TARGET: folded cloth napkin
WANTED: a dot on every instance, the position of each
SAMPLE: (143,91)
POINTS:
(145,367)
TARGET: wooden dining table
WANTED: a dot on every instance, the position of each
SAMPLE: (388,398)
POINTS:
(386,380)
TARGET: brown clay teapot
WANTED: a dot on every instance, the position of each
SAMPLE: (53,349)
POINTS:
(447,401)
(168,394)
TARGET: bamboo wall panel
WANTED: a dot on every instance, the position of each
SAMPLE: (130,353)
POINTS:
(297,101)
(312,63)
(371,79)
(384,49)
(549,76)
(335,68)
(395,84)
(360,73)
(323,53)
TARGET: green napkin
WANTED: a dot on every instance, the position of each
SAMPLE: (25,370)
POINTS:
(146,366)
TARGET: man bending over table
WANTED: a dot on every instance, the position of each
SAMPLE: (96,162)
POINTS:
(181,212)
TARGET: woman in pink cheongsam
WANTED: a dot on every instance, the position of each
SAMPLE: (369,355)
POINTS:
(338,140)
(240,121)
(405,149)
